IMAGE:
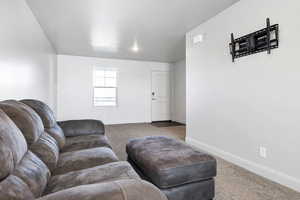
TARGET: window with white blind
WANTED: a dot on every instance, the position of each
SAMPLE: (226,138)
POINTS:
(105,87)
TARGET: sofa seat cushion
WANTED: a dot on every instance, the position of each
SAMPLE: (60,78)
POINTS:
(85,142)
(115,190)
(104,173)
(168,162)
(83,159)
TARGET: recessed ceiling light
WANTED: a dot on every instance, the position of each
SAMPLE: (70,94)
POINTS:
(135,48)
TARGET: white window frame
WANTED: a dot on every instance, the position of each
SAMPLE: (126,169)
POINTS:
(116,87)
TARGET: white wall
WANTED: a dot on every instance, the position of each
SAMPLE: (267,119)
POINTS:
(233,108)
(75,89)
(179,92)
(27,60)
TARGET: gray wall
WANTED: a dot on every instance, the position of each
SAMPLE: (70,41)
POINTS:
(179,92)
(27,60)
(234,108)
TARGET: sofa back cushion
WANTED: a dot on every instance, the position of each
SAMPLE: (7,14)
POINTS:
(33,172)
(13,188)
(13,145)
(48,118)
(25,118)
(47,149)
(43,110)
(13,148)
(15,158)
(31,125)
(57,133)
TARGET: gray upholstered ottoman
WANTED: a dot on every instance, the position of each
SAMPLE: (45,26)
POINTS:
(179,170)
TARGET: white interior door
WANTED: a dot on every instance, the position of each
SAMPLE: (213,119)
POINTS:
(161,90)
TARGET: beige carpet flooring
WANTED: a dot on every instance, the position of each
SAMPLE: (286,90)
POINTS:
(232,182)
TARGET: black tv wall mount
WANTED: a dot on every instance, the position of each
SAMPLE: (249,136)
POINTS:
(263,40)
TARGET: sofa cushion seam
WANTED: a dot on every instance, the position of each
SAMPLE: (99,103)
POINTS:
(123,192)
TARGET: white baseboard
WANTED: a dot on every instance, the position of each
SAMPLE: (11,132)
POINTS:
(261,170)
(127,122)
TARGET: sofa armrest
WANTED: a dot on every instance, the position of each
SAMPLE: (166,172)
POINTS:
(82,127)
(117,190)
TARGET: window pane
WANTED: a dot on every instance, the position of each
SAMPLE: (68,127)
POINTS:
(110,73)
(99,81)
(110,82)
(99,78)
(105,78)
(99,73)
(105,96)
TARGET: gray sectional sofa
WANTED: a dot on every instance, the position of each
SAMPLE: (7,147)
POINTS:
(72,160)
